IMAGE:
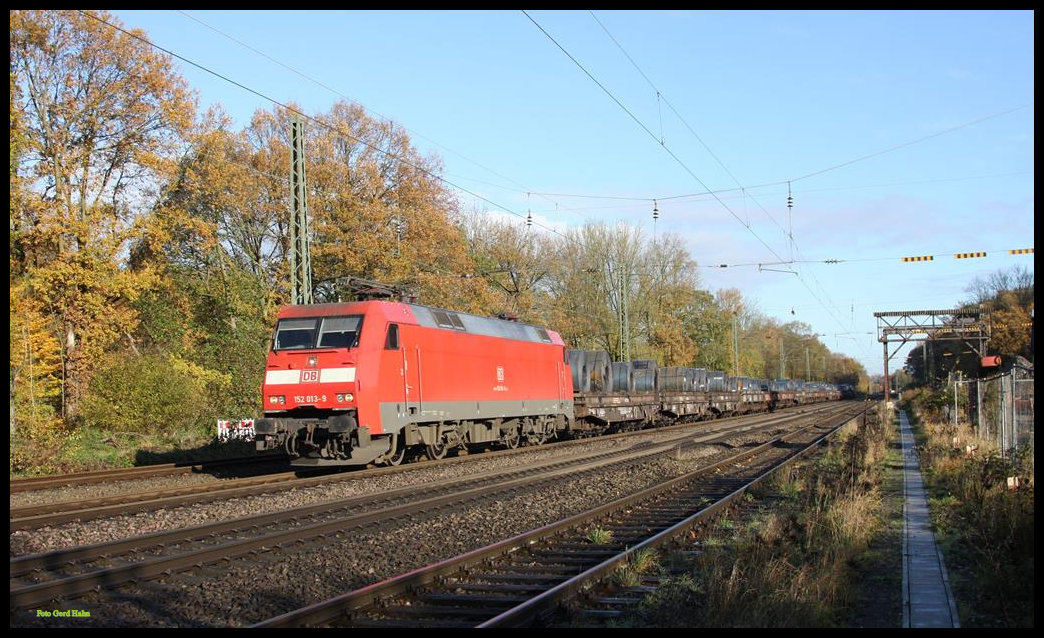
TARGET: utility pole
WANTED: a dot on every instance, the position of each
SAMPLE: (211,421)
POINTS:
(626,318)
(735,345)
(623,318)
(808,367)
(300,258)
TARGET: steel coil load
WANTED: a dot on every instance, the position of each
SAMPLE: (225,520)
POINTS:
(598,371)
(623,376)
(577,362)
(674,379)
(592,371)
(699,380)
(716,381)
(643,375)
(644,380)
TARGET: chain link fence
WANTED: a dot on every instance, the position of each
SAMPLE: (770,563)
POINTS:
(1000,408)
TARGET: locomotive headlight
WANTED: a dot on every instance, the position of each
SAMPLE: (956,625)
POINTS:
(282,399)
(348,398)
(273,399)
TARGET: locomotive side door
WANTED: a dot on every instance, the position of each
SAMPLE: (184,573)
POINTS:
(406,357)
(411,380)
(564,379)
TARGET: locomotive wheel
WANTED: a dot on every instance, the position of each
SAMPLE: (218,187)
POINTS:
(512,439)
(400,451)
(437,451)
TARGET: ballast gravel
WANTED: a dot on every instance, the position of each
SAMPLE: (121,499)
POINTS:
(252,589)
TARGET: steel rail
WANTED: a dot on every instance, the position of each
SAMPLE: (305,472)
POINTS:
(80,584)
(374,595)
(57,513)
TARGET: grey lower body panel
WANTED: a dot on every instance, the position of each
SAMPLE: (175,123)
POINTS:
(399,414)
(396,416)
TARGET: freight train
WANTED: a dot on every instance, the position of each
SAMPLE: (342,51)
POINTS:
(376,382)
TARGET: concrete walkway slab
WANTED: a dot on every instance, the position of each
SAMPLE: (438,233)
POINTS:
(927,599)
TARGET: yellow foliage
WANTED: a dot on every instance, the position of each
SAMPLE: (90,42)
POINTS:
(36,366)
(212,380)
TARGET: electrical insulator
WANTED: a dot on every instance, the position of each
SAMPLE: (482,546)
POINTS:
(529,218)
(656,211)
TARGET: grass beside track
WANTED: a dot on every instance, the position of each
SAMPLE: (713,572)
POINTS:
(985,529)
(87,449)
(816,547)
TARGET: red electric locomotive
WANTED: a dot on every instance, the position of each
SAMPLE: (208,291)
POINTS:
(370,381)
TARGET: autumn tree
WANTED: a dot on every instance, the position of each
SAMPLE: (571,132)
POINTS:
(377,207)
(1008,296)
(670,306)
(586,286)
(515,260)
(100,116)
(613,289)
(711,330)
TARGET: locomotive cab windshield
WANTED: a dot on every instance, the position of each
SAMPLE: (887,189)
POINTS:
(313,333)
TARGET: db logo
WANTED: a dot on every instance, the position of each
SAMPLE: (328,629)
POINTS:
(309,376)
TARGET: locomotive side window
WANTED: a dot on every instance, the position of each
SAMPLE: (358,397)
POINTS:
(339,332)
(392,343)
(447,320)
(295,334)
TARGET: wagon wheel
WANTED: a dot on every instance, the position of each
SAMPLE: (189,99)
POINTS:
(437,450)
(400,451)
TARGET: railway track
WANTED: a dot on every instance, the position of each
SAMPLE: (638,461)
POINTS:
(128,473)
(519,580)
(85,509)
(70,573)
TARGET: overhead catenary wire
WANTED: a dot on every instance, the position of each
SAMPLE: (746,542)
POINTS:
(915,141)
(659,96)
(722,191)
(558,207)
(745,224)
(789,231)
(651,134)
(534,192)
(383,117)
(322,123)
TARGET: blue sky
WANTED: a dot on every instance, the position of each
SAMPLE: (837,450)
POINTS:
(900,133)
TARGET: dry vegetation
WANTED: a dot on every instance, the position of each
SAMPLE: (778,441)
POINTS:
(794,555)
(985,528)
